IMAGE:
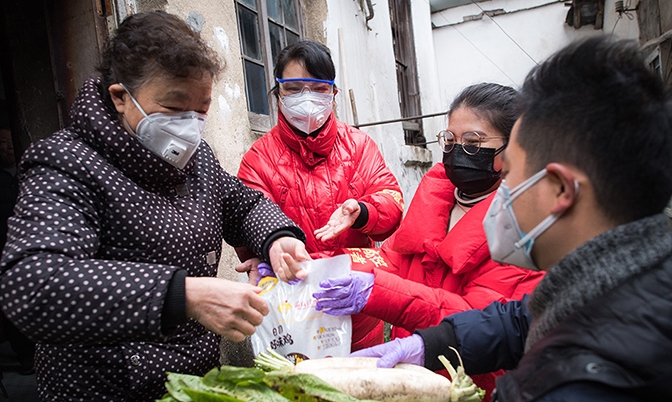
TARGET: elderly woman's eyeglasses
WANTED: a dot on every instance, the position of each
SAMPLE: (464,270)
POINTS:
(471,141)
(293,86)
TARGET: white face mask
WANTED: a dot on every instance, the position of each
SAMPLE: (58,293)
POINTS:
(508,244)
(307,111)
(174,137)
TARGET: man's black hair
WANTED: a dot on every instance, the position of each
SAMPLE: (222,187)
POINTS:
(597,106)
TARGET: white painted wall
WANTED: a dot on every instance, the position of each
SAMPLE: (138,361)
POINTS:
(365,63)
(478,51)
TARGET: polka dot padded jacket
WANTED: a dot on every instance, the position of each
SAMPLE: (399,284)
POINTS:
(100,226)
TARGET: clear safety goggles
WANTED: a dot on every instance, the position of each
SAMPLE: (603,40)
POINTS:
(292,86)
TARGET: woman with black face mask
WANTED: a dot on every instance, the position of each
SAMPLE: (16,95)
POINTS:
(479,124)
(439,253)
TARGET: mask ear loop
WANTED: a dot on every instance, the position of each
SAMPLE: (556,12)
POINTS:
(519,189)
(133,99)
(545,224)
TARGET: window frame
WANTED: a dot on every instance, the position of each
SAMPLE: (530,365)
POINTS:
(259,122)
(406,69)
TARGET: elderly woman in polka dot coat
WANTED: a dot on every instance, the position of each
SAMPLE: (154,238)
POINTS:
(112,251)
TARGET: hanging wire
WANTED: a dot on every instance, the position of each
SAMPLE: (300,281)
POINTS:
(477,48)
(625,11)
(505,33)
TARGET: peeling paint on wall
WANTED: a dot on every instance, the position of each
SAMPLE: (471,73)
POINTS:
(196,21)
(233,92)
(223,39)
(224,108)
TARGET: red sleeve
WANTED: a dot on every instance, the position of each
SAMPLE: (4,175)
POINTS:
(383,197)
(411,305)
(248,173)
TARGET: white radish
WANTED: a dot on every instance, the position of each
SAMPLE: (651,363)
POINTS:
(359,377)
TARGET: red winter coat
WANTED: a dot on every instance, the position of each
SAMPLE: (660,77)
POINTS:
(309,178)
(427,274)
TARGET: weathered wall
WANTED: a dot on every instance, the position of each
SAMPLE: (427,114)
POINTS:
(432,95)
(665,15)
(365,64)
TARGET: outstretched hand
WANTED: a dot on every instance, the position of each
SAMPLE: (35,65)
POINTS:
(342,219)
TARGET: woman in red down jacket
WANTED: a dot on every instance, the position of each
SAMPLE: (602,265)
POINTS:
(438,262)
(329,178)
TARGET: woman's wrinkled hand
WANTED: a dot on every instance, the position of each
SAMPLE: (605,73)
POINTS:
(285,254)
(251,267)
(230,309)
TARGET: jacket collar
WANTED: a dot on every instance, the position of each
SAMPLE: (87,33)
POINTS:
(596,268)
(620,339)
(463,248)
(312,150)
(99,127)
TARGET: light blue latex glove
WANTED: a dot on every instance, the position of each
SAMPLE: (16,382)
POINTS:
(401,350)
(265,270)
(346,295)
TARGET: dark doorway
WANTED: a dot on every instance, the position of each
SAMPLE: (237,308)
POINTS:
(49,47)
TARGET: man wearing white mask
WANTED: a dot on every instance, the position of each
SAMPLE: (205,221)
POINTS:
(588,174)
(328,177)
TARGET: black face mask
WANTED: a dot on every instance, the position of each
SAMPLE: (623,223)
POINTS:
(472,174)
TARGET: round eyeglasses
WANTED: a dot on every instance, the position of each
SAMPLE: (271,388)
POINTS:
(293,86)
(471,141)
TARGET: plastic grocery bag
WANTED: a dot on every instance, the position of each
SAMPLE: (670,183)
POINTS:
(293,328)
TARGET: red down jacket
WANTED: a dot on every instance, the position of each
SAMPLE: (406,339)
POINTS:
(446,273)
(310,177)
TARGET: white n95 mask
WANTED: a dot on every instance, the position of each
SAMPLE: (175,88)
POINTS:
(507,243)
(307,111)
(174,137)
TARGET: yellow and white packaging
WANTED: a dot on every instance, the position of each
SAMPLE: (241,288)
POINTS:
(293,328)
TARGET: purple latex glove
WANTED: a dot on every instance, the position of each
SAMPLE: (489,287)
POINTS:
(401,350)
(346,295)
(265,270)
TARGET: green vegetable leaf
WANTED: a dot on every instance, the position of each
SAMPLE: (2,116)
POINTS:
(236,374)
(167,398)
(305,388)
(177,382)
(242,383)
(209,396)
